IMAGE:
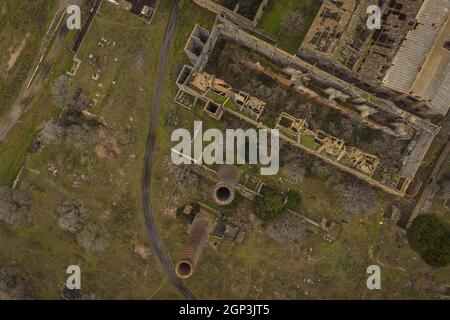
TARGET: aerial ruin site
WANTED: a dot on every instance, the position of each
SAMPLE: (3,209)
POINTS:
(358,133)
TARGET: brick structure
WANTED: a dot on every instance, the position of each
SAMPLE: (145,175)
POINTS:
(198,236)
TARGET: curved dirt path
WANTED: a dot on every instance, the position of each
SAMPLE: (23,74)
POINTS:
(152,230)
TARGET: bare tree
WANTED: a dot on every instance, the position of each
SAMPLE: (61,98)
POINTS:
(289,228)
(50,132)
(15,206)
(73,110)
(60,91)
(357,197)
(291,23)
(13,284)
(92,238)
(72,215)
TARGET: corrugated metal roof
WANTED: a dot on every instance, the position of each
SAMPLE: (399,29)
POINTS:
(440,98)
(412,58)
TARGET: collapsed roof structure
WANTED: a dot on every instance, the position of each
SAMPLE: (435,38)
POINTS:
(387,62)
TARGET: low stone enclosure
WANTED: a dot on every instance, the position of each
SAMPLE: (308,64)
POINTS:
(145,9)
(199,89)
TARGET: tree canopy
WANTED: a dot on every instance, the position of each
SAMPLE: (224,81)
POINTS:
(430,237)
(270,204)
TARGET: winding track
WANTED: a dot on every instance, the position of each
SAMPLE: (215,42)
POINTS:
(152,231)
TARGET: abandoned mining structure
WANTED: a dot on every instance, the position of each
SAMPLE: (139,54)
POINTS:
(199,89)
(227,179)
(199,232)
(380,61)
(406,60)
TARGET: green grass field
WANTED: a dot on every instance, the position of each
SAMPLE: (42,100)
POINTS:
(22,28)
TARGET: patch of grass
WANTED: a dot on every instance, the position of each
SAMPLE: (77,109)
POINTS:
(365,134)
(277,10)
(308,142)
(216,98)
(21,21)
(269,121)
(15,148)
(294,200)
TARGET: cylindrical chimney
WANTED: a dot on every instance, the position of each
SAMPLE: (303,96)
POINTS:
(224,190)
(198,235)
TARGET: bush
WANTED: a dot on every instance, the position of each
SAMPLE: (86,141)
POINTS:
(269,121)
(430,237)
(15,206)
(269,205)
(188,218)
(293,200)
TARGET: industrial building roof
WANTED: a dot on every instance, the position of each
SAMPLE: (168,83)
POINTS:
(422,65)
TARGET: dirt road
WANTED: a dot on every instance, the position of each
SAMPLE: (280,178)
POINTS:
(152,230)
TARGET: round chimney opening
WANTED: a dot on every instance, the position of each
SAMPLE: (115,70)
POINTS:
(223,193)
(184,269)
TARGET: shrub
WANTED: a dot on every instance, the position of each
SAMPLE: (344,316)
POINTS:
(269,205)
(293,200)
(188,218)
(269,121)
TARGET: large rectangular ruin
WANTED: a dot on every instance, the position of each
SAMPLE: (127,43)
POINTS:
(198,89)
